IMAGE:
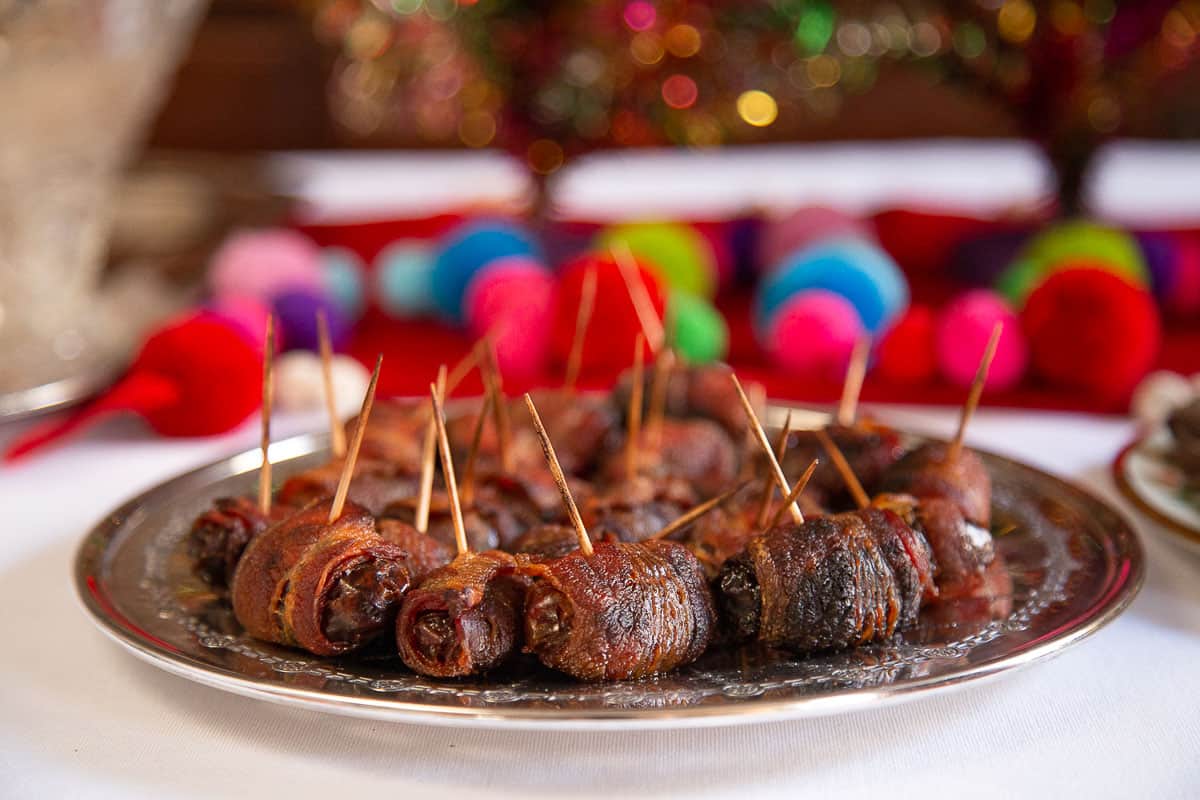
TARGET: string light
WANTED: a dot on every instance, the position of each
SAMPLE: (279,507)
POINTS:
(757,108)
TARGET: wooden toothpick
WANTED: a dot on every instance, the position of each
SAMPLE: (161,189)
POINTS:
(587,302)
(343,487)
(463,368)
(495,384)
(757,429)
(337,432)
(852,388)
(268,391)
(652,326)
(659,383)
(633,433)
(695,513)
(972,403)
(468,482)
(843,467)
(456,517)
(428,454)
(585,541)
(797,490)
(764,508)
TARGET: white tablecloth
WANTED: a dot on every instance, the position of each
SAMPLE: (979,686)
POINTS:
(1116,716)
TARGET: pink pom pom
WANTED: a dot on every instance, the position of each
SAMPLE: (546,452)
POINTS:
(813,332)
(265,262)
(962,334)
(513,299)
(248,315)
(784,236)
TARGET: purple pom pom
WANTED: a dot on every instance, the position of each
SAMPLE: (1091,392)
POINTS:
(296,313)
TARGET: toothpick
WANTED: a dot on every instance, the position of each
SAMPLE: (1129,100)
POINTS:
(268,386)
(843,467)
(468,482)
(797,490)
(764,508)
(855,372)
(695,513)
(634,433)
(495,384)
(343,487)
(659,383)
(643,306)
(972,403)
(585,541)
(757,429)
(337,433)
(587,302)
(428,453)
(463,368)
(439,418)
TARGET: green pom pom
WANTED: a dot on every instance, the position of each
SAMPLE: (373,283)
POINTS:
(681,256)
(1069,242)
(697,329)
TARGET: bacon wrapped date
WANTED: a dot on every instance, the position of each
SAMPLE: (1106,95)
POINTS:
(829,583)
(869,450)
(626,611)
(932,471)
(961,549)
(375,484)
(699,391)
(695,450)
(218,537)
(464,619)
(635,510)
(424,553)
(328,588)
(550,541)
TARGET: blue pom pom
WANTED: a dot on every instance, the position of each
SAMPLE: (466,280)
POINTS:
(403,279)
(855,269)
(342,273)
(296,313)
(465,251)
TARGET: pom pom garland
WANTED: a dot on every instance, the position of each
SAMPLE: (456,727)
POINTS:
(786,235)
(263,263)
(907,353)
(857,270)
(962,335)
(465,251)
(1071,242)
(679,254)
(697,329)
(813,333)
(404,279)
(342,278)
(513,299)
(296,312)
(609,341)
(1091,331)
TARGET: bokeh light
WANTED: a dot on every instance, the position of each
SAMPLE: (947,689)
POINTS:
(640,15)
(683,40)
(477,129)
(757,108)
(680,91)
(646,48)
(544,156)
(1016,21)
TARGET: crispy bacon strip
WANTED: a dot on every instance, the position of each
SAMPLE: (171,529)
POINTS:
(829,583)
(626,611)
(328,588)
(219,536)
(464,619)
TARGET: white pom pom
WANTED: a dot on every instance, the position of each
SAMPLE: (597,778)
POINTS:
(350,381)
(298,383)
(1160,393)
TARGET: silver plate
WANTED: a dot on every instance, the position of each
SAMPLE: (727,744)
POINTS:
(1075,564)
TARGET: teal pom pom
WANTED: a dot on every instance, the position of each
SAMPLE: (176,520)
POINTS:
(403,284)
(342,274)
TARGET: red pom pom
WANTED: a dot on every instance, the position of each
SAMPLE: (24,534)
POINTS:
(608,344)
(1091,330)
(217,374)
(907,353)
(924,241)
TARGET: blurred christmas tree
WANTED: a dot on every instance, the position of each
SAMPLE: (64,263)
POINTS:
(549,80)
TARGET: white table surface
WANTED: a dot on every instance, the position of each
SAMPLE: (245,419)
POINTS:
(1116,716)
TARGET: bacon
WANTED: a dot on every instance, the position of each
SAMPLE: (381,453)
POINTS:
(424,553)
(328,588)
(829,583)
(395,433)
(696,451)
(929,472)
(464,619)
(627,611)
(374,486)
(218,537)
(699,391)
(551,541)
(635,510)
(869,450)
